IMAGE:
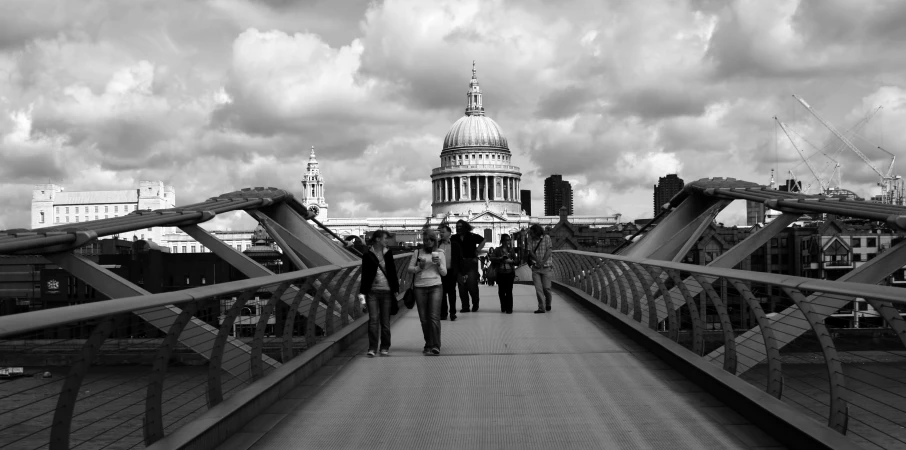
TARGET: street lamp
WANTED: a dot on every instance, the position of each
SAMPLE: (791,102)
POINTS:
(235,329)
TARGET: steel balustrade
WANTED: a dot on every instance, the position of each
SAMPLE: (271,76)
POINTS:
(149,416)
(862,393)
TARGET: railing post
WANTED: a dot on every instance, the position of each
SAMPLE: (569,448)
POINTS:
(311,325)
(62,417)
(616,289)
(636,301)
(339,287)
(215,378)
(775,371)
(673,323)
(838,416)
(725,324)
(698,337)
(646,286)
(258,341)
(154,417)
(286,342)
(349,295)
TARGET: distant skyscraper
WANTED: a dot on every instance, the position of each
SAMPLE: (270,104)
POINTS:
(557,193)
(754,213)
(525,197)
(665,189)
(791,186)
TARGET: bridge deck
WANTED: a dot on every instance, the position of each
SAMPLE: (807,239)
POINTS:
(563,379)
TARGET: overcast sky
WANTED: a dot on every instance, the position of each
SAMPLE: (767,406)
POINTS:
(218,95)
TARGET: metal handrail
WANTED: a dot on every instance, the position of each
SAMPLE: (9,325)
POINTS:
(45,318)
(886,293)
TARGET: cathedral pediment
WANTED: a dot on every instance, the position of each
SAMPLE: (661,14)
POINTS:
(488,216)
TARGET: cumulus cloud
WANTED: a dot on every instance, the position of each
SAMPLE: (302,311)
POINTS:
(226,94)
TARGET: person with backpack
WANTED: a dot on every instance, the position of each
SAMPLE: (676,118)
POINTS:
(378,290)
(504,259)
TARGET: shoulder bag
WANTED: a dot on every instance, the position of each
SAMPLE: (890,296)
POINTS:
(409,295)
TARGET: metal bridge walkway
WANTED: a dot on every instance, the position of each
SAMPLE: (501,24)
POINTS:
(565,379)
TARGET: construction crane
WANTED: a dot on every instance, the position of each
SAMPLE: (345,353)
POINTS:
(887,180)
(823,184)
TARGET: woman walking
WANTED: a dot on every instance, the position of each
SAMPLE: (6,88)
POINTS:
(429,266)
(378,289)
(504,259)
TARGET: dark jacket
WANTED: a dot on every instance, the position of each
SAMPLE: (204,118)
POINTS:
(455,258)
(370,268)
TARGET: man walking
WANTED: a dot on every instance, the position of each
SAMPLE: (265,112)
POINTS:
(454,260)
(469,244)
(541,262)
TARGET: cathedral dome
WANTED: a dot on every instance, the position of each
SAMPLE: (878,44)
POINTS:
(475,131)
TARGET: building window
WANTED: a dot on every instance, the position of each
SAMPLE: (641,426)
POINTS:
(76,218)
(106,216)
(872,242)
(857,242)
(187,280)
(42,217)
(183,248)
(95,209)
(193,249)
(56,220)
(174,249)
(116,208)
(67,211)
(202,280)
(76,209)
(106,208)
(95,217)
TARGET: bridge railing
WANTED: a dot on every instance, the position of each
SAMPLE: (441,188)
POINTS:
(116,374)
(854,380)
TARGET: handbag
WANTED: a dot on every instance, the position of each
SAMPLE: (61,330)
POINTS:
(409,295)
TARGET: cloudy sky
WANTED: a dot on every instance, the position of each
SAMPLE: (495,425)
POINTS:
(213,96)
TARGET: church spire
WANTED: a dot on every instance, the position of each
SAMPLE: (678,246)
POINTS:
(474,107)
(312,162)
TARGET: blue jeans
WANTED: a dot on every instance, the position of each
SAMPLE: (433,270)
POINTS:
(379,319)
(428,299)
(542,280)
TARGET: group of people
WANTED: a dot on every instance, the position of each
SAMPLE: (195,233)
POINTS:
(442,263)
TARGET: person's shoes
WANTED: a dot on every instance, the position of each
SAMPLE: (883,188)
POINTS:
(548,308)
(385,352)
(452,318)
(435,351)
(474,308)
(464,310)
(443,317)
(540,311)
(426,351)
(509,312)
(370,353)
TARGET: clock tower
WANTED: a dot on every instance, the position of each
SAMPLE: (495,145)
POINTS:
(313,189)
